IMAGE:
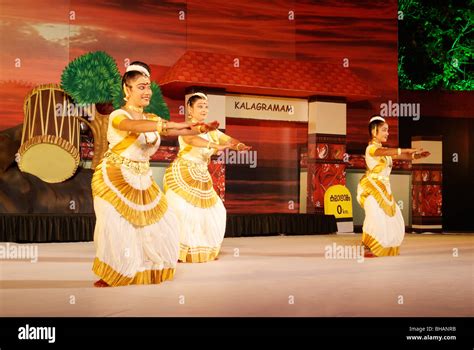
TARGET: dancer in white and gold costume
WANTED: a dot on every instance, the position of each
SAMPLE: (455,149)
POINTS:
(136,236)
(384,228)
(189,188)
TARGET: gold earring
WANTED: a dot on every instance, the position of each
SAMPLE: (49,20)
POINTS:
(124,88)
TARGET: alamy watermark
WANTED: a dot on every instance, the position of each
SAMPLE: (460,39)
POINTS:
(37,333)
(19,252)
(344,252)
(394,109)
(234,157)
(75,110)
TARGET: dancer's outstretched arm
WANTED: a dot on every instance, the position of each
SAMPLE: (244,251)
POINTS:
(162,126)
(402,153)
(234,144)
(197,141)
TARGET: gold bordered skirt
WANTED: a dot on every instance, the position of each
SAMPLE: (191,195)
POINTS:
(135,235)
(384,227)
(200,211)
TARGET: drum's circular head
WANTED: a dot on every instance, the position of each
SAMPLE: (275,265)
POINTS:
(50,158)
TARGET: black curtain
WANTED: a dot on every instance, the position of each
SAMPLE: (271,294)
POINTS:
(23,228)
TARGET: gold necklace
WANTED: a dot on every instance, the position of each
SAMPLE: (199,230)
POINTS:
(375,142)
(135,109)
(194,120)
(140,110)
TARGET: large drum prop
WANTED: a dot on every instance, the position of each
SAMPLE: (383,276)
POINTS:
(50,140)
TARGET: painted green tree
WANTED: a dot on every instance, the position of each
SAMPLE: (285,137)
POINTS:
(94,78)
(435,50)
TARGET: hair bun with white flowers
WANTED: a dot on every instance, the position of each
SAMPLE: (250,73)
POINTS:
(376,118)
(200,94)
(138,68)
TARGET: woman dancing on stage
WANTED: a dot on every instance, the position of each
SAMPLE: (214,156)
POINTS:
(136,236)
(189,189)
(384,228)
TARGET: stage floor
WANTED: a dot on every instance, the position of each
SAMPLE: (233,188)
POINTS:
(256,276)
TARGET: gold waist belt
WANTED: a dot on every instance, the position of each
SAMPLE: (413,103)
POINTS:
(377,177)
(134,166)
(191,164)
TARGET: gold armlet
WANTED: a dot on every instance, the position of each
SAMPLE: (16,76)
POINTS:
(165,128)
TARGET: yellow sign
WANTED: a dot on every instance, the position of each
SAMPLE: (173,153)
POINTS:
(338,202)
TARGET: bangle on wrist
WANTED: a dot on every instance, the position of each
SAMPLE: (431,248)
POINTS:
(159,125)
(238,146)
(399,151)
(413,156)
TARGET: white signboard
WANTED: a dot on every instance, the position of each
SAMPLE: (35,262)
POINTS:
(267,108)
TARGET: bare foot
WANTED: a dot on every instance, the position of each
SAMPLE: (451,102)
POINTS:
(369,254)
(101,284)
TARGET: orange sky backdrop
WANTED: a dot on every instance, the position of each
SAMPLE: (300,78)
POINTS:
(46,35)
